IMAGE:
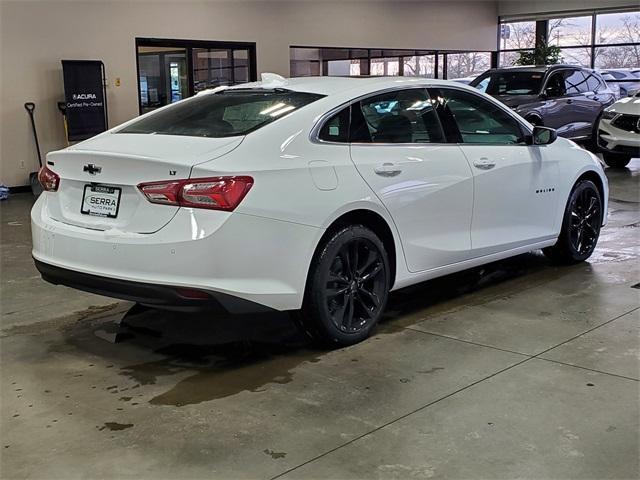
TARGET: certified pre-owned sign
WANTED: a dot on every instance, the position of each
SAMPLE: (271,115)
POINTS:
(84,98)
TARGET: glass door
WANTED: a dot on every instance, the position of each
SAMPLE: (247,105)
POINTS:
(171,70)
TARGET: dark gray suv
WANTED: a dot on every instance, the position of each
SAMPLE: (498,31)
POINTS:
(565,97)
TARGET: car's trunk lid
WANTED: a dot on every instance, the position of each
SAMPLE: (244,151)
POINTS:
(112,165)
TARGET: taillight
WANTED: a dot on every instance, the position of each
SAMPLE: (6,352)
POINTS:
(216,193)
(48,179)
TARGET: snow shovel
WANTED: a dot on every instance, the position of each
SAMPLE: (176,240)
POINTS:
(36,188)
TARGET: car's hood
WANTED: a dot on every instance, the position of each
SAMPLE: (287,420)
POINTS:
(628,105)
(516,100)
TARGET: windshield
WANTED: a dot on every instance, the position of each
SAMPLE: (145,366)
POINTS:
(226,113)
(509,83)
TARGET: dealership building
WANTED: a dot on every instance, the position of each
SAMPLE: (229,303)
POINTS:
(357,239)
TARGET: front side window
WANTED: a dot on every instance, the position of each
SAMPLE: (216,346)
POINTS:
(477,119)
(555,85)
(403,116)
(226,113)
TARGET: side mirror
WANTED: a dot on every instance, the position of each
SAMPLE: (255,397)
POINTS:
(543,135)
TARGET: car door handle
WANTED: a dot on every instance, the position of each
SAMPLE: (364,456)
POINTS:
(569,100)
(388,170)
(484,164)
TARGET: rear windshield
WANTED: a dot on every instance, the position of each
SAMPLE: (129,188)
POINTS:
(226,113)
(509,83)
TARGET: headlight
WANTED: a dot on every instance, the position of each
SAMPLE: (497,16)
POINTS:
(609,115)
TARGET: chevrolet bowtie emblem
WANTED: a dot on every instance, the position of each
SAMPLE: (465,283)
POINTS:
(92,169)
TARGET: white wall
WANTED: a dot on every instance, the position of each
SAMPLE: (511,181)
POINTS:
(36,35)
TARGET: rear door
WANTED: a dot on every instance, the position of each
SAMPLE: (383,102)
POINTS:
(514,183)
(398,146)
(581,98)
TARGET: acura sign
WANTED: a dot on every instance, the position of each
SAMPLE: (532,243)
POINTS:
(84,98)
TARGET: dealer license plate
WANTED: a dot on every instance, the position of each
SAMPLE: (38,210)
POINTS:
(101,200)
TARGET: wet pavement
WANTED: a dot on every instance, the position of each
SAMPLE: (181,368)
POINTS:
(516,369)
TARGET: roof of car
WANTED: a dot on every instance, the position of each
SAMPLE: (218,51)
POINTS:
(336,85)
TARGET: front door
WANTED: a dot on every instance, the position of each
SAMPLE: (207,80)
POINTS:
(515,184)
(399,148)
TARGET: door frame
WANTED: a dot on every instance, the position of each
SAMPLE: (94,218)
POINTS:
(188,46)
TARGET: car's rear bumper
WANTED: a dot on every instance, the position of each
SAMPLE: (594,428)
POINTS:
(152,295)
(257,259)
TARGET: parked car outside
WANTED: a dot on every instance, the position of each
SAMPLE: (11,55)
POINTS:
(612,84)
(618,135)
(318,195)
(628,82)
(565,97)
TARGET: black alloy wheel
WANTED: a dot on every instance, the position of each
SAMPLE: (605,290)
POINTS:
(355,285)
(347,287)
(585,221)
(580,226)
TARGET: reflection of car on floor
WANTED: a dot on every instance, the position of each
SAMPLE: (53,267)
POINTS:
(564,97)
(319,194)
(618,135)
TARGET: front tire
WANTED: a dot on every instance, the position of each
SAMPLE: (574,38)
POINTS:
(580,226)
(347,288)
(616,160)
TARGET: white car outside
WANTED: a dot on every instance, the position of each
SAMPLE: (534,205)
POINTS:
(619,132)
(318,195)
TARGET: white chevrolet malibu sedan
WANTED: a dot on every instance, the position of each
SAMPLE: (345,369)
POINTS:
(319,195)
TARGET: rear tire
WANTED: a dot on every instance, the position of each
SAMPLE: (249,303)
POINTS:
(580,226)
(616,160)
(347,288)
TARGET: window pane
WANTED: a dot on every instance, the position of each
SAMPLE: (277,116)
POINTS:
(508,59)
(470,64)
(336,129)
(338,67)
(509,82)
(571,31)
(478,120)
(406,116)
(576,56)
(211,68)
(419,66)
(224,114)
(618,57)
(618,28)
(385,66)
(575,82)
(517,35)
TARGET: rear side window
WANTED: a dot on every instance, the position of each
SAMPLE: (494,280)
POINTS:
(336,129)
(575,82)
(477,119)
(224,114)
(403,116)
(593,83)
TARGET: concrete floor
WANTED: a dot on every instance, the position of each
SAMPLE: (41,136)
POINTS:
(515,370)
